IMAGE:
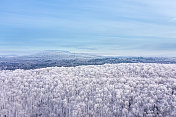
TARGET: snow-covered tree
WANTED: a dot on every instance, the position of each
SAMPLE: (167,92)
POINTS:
(134,89)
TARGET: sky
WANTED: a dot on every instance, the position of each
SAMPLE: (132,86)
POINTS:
(104,27)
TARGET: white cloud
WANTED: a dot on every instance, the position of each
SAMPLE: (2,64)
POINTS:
(172,19)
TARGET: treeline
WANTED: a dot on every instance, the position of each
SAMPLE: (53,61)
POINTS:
(35,63)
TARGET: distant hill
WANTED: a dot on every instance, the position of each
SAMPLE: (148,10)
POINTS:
(51,58)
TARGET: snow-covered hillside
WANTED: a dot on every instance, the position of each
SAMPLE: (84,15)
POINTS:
(134,89)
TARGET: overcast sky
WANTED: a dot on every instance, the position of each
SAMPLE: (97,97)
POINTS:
(106,27)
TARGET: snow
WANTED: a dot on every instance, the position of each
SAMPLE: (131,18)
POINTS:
(126,89)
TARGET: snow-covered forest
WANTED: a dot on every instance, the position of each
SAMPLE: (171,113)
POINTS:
(110,90)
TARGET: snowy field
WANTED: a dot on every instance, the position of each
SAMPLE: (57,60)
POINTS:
(117,90)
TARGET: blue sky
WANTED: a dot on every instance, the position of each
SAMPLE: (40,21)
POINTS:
(105,27)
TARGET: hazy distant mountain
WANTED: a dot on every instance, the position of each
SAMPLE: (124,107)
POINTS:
(59,54)
(54,55)
(51,58)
